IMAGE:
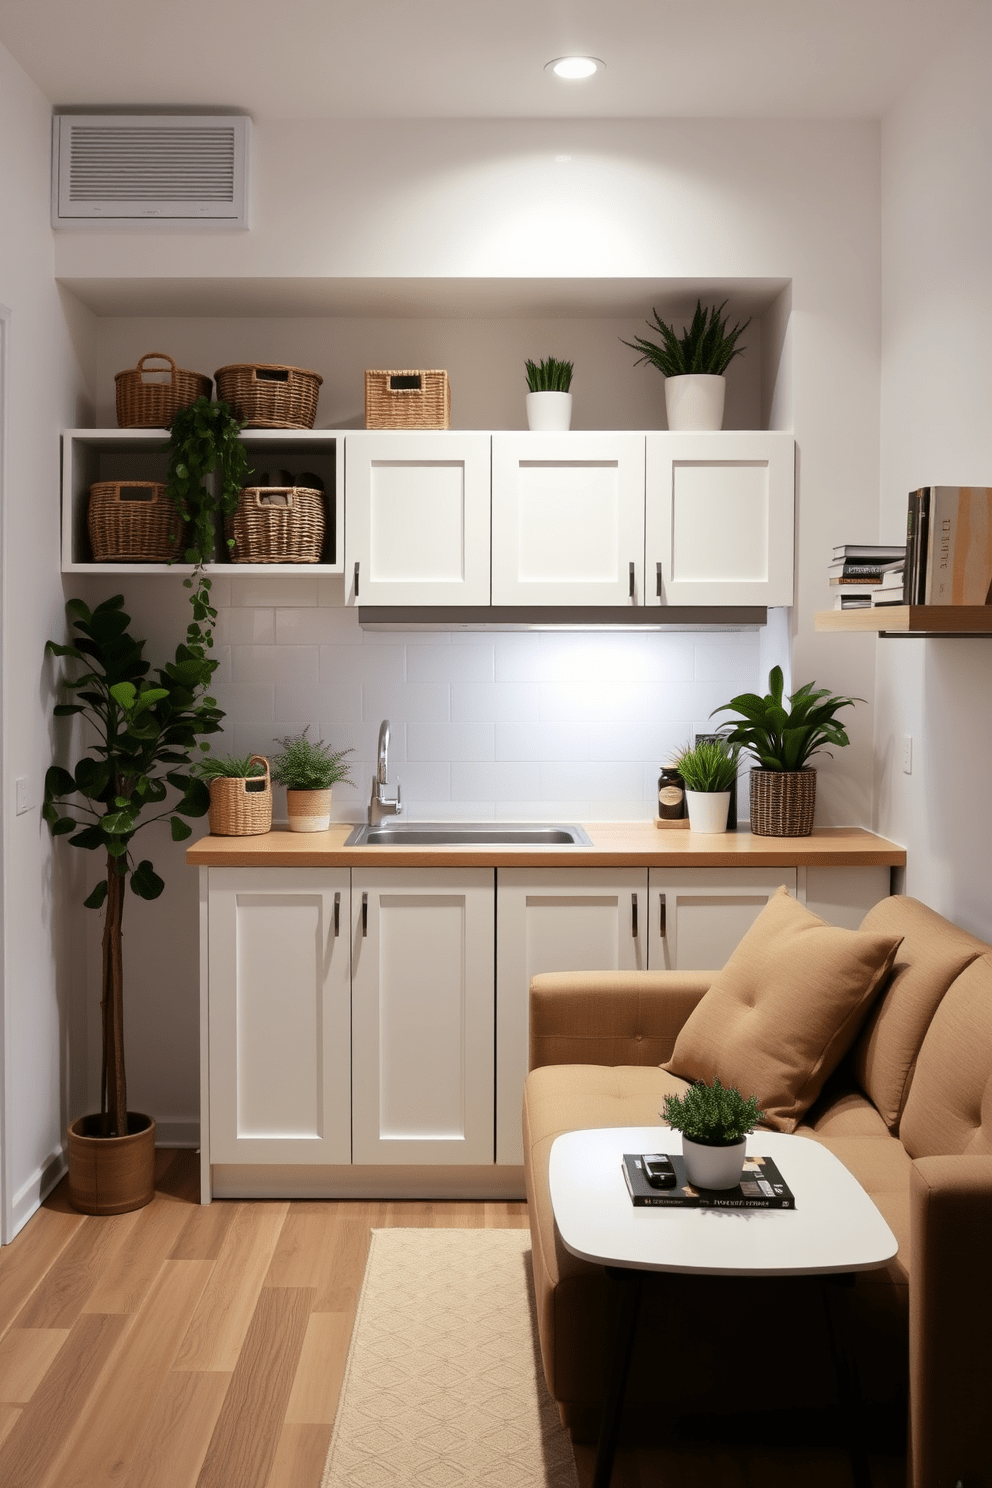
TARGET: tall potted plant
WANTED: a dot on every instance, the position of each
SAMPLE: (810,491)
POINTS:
(782,736)
(694,365)
(146,729)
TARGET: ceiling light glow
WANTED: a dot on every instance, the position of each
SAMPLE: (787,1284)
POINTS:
(574,68)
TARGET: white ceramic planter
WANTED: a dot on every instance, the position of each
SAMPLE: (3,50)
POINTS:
(551,413)
(713,1167)
(308,810)
(708,810)
(695,401)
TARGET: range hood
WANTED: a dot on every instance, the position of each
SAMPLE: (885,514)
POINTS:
(562,617)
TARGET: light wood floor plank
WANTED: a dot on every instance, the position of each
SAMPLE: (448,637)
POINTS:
(218,1327)
(104,1443)
(300,1456)
(26,1261)
(243,1446)
(91,1253)
(9,1417)
(26,1355)
(204,1232)
(317,1384)
(46,1424)
(123,1287)
(177,1432)
(344,1268)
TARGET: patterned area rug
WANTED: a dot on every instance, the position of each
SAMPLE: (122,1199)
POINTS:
(443,1386)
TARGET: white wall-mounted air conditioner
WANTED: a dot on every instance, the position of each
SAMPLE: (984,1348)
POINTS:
(120,170)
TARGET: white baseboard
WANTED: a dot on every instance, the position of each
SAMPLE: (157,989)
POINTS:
(177,1133)
(34,1190)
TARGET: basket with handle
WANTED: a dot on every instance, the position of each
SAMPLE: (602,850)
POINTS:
(241,805)
(146,401)
(407,400)
(269,395)
(133,522)
(278,524)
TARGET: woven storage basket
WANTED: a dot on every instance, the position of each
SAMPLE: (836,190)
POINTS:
(270,396)
(782,802)
(144,403)
(407,400)
(241,806)
(132,522)
(277,524)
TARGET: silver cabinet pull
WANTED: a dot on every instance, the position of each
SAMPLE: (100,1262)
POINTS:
(631,590)
(356,579)
(365,915)
(633,916)
(337,915)
(662,917)
(657,588)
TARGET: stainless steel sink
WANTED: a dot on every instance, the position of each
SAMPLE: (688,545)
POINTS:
(453,834)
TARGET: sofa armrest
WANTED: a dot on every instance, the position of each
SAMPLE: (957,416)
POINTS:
(610,1017)
(950,1320)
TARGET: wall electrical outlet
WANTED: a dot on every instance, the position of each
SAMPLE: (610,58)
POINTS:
(907,754)
(22,795)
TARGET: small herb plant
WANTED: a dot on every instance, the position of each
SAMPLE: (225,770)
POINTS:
(549,376)
(705,345)
(784,736)
(230,767)
(709,765)
(304,765)
(712,1114)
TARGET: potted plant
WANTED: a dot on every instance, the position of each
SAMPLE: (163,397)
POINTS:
(714,1123)
(549,402)
(240,794)
(146,731)
(782,737)
(708,769)
(694,365)
(308,771)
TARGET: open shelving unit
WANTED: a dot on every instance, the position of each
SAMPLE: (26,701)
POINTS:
(910,620)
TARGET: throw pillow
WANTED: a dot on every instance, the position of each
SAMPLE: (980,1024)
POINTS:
(784,1010)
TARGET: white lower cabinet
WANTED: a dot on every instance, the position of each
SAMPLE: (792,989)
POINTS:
(698,916)
(422,1015)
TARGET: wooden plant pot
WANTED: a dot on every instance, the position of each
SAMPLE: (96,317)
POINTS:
(782,802)
(308,810)
(111,1175)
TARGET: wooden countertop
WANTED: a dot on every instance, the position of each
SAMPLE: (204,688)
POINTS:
(614,845)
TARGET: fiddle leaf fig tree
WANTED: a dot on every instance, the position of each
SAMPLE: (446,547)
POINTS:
(138,769)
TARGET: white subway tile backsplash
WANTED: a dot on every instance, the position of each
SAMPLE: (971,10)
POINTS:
(422,781)
(570,780)
(243,702)
(541,741)
(334,704)
(286,665)
(317,627)
(473,780)
(295,593)
(236,627)
(450,741)
(382,666)
(409,702)
(449,663)
(730,661)
(635,741)
(510,702)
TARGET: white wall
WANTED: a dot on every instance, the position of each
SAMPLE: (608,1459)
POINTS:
(50,359)
(937,429)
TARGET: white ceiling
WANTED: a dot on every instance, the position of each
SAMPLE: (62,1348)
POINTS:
(307,59)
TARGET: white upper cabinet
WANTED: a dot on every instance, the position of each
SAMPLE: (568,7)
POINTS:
(720,518)
(568,519)
(418,518)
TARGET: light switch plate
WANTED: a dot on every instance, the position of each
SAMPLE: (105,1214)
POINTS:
(907,754)
(22,797)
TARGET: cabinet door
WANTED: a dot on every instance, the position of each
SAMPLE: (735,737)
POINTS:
(720,513)
(422,1015)
(555,919)
(568,519)
(417,518)
(279,1015)
(698,916)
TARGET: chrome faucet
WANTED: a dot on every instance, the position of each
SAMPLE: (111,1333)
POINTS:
(380,806)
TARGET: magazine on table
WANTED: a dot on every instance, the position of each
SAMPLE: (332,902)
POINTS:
(761,1187)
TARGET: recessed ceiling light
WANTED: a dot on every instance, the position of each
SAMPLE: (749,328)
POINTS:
(574,68)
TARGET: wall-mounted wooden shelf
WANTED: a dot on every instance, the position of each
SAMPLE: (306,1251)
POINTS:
(911,620)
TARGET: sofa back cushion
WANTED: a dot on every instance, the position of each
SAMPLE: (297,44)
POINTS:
(949,1107)
(784,1010)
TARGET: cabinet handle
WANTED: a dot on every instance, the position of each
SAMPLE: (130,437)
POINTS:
(365,915)
(662,917)
(631,588)
(356,580)
(657,583)
(633,916)
(337,915)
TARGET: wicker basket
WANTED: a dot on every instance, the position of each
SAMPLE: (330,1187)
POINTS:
(782,802)
(241,806)
(132,522)
(270,396)
(407,400)
(145,402)
(277,524)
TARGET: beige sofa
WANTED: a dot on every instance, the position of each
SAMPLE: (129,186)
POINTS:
(909,1111)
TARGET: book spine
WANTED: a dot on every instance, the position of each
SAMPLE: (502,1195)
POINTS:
(922,543)
(907,576)
(660,1201)
(750,1204)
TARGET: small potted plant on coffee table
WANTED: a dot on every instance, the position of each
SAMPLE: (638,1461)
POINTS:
(708,769)
(549,402)
(693,364)
(714,1121)
(308,770)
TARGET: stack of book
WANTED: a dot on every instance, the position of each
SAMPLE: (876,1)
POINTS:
(949,546)
(863,574)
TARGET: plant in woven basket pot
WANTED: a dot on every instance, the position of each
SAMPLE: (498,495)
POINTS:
(782,735)
(693,364)
(308,770)
(549,402)
(714,1121)
(708,769)
(140,769)
(240,794)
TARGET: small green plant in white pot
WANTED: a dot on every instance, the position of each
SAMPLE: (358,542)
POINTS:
(714,1121)
(694,365)
(549,402)
(308,770)
(708,769)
